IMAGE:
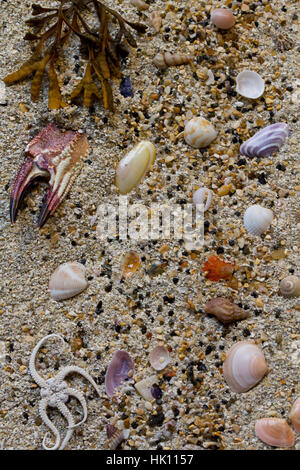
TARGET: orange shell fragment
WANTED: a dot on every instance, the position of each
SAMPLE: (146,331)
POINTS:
(218,269)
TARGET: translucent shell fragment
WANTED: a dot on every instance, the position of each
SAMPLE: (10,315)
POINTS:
(290,286)
(295,415)
(120,368)
(159,357)
(199,132)
(275,432)
(244,366)
(257,219)
(134,166)
(249,84)
(67,280)
(217,269)
(225,310)
(203,196)
(265,142)
(130,264)
(222,18)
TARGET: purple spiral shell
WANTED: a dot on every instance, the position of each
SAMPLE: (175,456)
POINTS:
(266,141)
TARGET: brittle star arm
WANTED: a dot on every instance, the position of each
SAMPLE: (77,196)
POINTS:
(43,412)
(74,369)
(36,377)
(81,399)
(71,423)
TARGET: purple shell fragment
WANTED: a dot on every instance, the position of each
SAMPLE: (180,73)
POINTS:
(266,141)
(126,88)
(117,371)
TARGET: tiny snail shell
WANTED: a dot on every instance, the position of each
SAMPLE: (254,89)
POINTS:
(199,132)
(159,357)
(139,4)
(201,195)
(295,415)
(133,167)
(257,219)
(222,18)
(67,280)
(265,142)
(166,59)
(115,436)
(144,386)
(249,84)
(156,20)
(290,286)
(244,366)
(274,432)
(225,310)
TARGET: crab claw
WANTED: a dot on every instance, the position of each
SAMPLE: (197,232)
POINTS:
(53,155)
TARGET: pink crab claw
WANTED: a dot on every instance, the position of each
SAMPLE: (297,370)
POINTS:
(53,155)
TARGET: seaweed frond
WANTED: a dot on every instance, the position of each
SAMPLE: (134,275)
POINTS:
(52,29)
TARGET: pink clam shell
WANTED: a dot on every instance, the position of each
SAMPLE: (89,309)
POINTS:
(275,432)
(159,357)
(118,371)
(295,415)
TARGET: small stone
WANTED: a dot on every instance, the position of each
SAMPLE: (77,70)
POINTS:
(3,100)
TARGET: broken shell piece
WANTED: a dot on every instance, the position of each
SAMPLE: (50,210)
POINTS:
(119,369)
(199,132)
(244,366)
(257,219)
(201,195)
(139,4)
(222,18)
(133,167)
(290,286)
(156,20)
(265,142)
(225,310)
(249,84)
(159,357)
(165,59)
(115,436)
(274,432)
(130,264)
(67,280)
(295,415)
(144,387)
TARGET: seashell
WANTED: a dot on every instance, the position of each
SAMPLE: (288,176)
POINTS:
(201,195)
(290,286)
(265,142)
(156,268)
(257,219)
(222,18)
(115,436)
(218,269)
(67,280)
(126,89)
(275,432)
(199,133)
(133,167)
(162,60)
(159,357)
(225,310)
(120,368)
(130,264)
(295,415)
(156,20)
(244,366)
(144,387)
(139,4)
(250,84)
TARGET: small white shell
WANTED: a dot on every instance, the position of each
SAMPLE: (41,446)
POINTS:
(290,286)
(250,84)
(67,280)
(159,357)
(295,415)
(274,432)
(201,195)
(257,219)
(133,167)
(199,132)
(144,387)
(244,366)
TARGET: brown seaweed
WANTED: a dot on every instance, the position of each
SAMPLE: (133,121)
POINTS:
(52,29)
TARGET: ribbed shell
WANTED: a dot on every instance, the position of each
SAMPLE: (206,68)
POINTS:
(290,286)
(274,432)
(162,60)
(257,219)
(265,142)
(244,366)
(67,280)
(295,415)
(199,132)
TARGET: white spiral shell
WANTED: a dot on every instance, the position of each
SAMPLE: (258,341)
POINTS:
(249,84)
(67,280)
(201,195)
(257,219)
(199,132)
(290,286)
(244,366)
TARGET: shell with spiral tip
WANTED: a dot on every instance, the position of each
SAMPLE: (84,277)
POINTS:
(199,132)
(115,436)
(249,84)
(290,286)
(162,60)
(222,18)
(265,142)
(67,280)
(257,219)
(203,195)
(225,310)
(274,432)
(159,357)
(244,366)
(295,415)
(156,20)
(134,166)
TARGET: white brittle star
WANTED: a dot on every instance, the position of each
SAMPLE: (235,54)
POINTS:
(55,393)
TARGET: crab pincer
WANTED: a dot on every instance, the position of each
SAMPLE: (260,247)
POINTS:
(53,155)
